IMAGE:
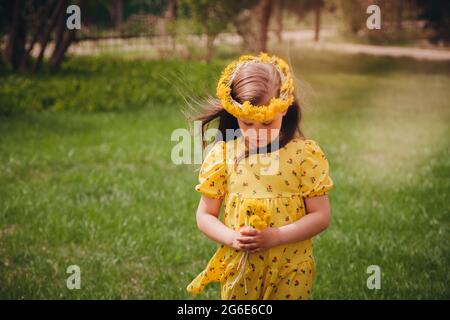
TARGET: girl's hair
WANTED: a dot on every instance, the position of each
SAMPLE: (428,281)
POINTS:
(257,83)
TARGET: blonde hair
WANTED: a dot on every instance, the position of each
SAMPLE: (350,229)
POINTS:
(257,83)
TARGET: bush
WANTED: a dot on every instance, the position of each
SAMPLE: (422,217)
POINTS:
(104,83)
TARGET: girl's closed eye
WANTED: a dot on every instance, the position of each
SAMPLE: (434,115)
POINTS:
(249,124)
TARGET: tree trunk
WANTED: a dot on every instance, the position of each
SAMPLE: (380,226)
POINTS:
(42,19)
(116,12)
(170,15)
(279,20)
(58,14)
(61,49)
(243,23)
(265,8)
(399,10)
(170,12)
(253,24)
(15,46)
(209,47)
(64,37)
(317,11)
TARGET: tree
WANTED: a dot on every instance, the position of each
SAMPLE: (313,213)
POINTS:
(354,15)
(437,15)
(252,23)
(279,11)
(301,7)
(317,7)
(116,12)
(34,23)
(15,45)
(213,17)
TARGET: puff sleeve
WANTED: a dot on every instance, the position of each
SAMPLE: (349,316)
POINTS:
(213,173)
(314,171)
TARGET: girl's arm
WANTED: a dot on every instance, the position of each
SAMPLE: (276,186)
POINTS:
(315,221)
(209,223)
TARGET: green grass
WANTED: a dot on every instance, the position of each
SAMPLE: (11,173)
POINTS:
(98,189)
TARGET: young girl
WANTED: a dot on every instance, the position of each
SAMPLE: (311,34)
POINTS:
(272,259)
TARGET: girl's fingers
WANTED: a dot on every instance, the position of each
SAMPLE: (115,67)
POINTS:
(249,232)
(249,247)
(245,239)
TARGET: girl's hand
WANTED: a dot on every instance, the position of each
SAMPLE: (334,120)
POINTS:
(252,240)
(234,243)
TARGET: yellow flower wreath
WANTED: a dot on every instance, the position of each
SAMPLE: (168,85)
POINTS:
(246,109)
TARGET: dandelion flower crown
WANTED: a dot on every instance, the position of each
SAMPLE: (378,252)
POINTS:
(246,109)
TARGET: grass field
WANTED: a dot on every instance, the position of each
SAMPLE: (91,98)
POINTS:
(98,189)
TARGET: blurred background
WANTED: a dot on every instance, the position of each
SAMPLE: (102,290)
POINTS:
(86,117)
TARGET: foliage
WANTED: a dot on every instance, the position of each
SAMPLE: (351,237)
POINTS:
(437,15)
(211,17)
(104,84)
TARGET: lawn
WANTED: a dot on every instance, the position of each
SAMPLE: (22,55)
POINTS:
(86,177)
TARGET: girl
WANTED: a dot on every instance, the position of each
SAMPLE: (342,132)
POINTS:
(276,262)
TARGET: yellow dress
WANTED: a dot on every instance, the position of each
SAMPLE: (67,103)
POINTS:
(296,171)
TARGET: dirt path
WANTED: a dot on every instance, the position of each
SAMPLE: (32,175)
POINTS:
(304,37)
(415,53)
(296,39)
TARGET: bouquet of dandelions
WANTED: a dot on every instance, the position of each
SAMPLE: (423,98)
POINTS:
(257,216)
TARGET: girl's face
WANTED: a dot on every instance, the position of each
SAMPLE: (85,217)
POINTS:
(260,134)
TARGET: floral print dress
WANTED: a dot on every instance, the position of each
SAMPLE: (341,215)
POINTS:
(280,180)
